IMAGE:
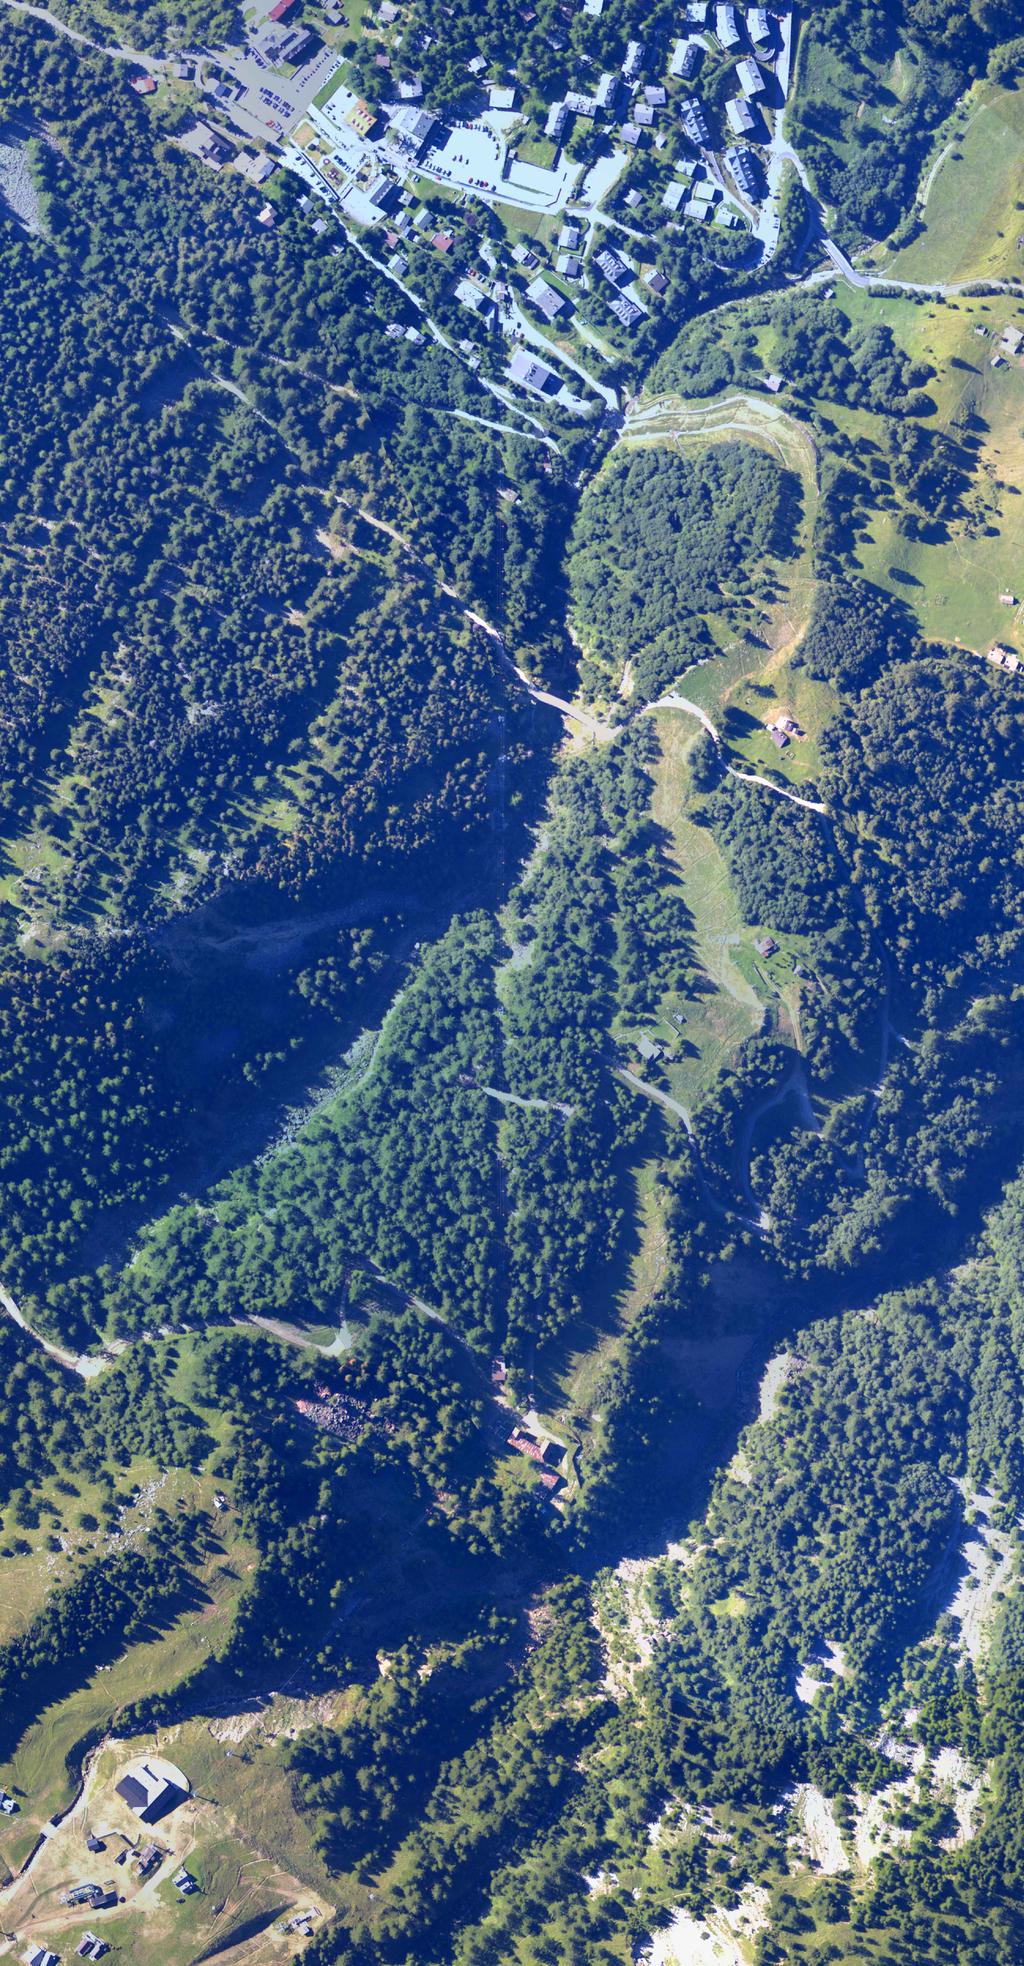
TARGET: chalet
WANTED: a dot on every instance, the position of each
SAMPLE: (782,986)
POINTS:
(631,133)
(643,115)
(581,105)
(546,298)
(144,85)
(695,123)
(727,27)
(281,10)
(674,195)
(501,97)
(655,95)
(558,117)
(740,117)
(743,167)
(606,94)
(410,89)
(95,1844)
(183,70)
(614,267)
(470,295)
(749,76)
(647,1048)
(633,198)
(759,28)
(696,11)
(778,737)
(626,310)
(685,60)
(655,280)
(633,62)
(569,237)
(1006,601)
(41,1956)
(569,265)
(150,1858)
(1011,339)
(526,369)
(766,945)
(774,383)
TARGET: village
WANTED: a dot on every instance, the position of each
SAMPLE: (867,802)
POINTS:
(587,193)
(141,1821)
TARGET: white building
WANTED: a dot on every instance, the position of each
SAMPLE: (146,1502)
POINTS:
(759,27)
(727,27)
(741,118)
(749,76)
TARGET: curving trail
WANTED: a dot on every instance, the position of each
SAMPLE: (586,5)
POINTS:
(116,51)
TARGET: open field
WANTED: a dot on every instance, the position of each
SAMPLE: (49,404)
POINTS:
(713,1025)
(972,196)
(38,1773)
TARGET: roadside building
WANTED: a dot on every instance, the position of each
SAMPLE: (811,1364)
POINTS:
(655,280)
(501,97)
(525,369)
(674,195)
(361,118)
(207,145)
(759,27)
(742,165)
(606,94)
(546,298)
(750,77)
(144,85)
(558,117)
(616,270)
(740,117)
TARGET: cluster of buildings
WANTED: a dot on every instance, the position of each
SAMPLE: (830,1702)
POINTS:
(541,1453)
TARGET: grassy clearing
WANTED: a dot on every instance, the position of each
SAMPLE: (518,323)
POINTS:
(715,1024)
(954,583)
(973,205)
(37,1772)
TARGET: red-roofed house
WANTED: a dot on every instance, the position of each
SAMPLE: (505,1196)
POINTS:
(281,10)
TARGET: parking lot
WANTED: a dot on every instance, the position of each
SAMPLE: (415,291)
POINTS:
(272,103)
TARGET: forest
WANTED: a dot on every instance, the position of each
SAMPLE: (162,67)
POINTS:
(326,956)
